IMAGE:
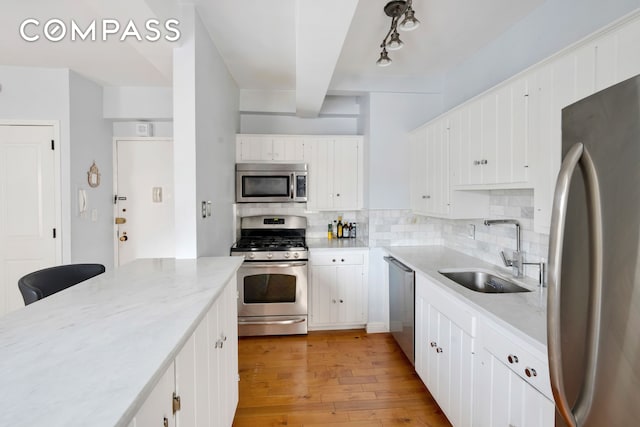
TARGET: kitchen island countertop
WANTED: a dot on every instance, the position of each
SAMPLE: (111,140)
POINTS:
(524,314)
(90,355)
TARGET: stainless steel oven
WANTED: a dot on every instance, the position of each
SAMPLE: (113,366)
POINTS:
(271,182)
(272,298)
(272,282)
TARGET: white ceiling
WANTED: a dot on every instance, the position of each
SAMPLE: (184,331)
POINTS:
(310,46)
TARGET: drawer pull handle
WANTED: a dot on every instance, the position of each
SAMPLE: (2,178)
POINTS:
(530,372)
(433,344)
(512,358)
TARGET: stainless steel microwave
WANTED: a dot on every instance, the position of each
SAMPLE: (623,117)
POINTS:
(271,182)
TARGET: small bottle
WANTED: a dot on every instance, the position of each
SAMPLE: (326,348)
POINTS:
(335,229)
(353,231)
(340,228)
(330,232)
(345,230)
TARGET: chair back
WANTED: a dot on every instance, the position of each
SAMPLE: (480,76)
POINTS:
(42,283)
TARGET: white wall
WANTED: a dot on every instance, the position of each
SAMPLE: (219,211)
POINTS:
(205,123)
(142,103)
(549,28)
(391,117)
(91,140)
(42,94)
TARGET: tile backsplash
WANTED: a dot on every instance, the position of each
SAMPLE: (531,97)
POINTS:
(402,228)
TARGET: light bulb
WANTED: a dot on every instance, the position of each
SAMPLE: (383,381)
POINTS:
(384,59)
(409,23)
(394,42)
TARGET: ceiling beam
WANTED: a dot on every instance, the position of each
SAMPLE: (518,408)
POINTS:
(321,29)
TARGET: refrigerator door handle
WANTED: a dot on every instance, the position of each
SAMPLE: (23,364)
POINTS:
(577,155)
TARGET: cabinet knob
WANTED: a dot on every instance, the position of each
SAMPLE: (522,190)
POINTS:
(165,422)
(433,344)
(439,350)
(530,372)
(424,197)
(333,260)
(341,301)
(342,260)
(484,161)
(476,162)
(512,358)
(333,301)
(338,195)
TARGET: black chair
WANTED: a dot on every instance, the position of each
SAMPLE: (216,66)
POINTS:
(42,283)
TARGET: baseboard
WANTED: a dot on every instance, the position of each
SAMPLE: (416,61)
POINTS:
(376,327)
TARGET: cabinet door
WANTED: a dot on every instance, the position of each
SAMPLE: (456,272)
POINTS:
(321,173)
(288,149)
(159,404)
(508,400)
(192,369)
(323,294)
(350,298)
(471,126)
(230,353)
(418,183)
(345,178)
(438,169)
(254,148)
(216,389)
(488,139)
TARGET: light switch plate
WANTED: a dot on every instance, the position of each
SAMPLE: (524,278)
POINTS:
(471,231)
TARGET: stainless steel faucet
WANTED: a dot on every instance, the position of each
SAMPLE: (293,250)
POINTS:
(516,262)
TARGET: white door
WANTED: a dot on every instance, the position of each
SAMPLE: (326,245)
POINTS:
(27,207)
(145,200)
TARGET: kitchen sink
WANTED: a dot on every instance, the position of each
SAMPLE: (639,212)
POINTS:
(483,281)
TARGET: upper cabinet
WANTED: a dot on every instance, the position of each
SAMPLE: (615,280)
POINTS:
(490,140)
(278,148)
(335,172)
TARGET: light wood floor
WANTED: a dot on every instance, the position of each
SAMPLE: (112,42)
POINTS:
(345,378)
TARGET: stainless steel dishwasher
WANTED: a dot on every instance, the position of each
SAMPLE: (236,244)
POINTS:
(402,305)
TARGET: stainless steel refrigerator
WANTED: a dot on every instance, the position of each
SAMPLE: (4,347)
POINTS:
(594,262)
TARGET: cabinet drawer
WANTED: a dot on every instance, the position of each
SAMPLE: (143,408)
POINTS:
(343,258)
(532,369)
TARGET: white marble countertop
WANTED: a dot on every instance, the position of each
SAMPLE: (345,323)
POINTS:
(89,355)
(524,314)
(316,244)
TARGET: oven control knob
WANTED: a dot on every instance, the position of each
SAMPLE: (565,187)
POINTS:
(252,255)
(287,254)
(269,255)
(296,255)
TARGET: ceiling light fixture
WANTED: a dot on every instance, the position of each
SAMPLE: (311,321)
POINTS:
(395,10)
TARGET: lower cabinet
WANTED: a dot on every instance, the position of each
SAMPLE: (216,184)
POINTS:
(513,387)
(337,280)
(445,350)
(200,387)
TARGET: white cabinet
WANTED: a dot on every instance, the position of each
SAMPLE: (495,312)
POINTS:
(513,387)
(337,280)
(430,169)
(445,350)
(335,172)
(431,148)
(268,148)
(200,387)
(490,139)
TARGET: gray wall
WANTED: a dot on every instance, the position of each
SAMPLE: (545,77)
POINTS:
(92,240)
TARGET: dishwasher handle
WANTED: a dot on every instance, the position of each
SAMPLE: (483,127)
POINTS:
(395,262)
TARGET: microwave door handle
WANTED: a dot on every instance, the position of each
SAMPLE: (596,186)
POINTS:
(291,187)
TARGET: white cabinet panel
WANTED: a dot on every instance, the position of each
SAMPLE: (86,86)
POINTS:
(444,352)
(335,173)
(269,148)
(338,289)
(159,405)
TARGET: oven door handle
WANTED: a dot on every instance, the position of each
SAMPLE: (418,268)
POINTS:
(272,322)
(250,264)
